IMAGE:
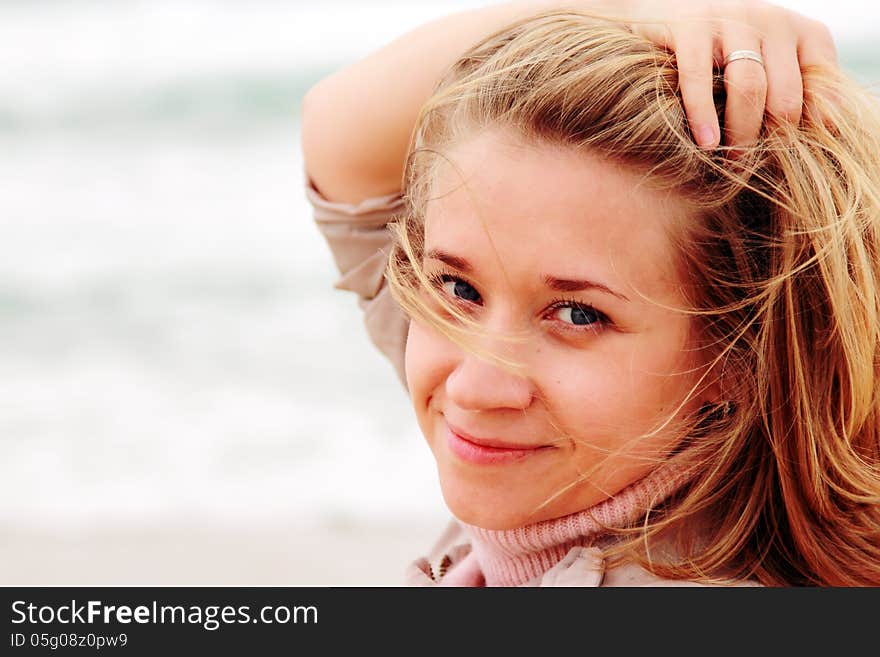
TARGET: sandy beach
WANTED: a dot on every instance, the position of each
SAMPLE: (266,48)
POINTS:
(193,555)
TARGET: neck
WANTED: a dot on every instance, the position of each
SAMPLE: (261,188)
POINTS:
(512,557)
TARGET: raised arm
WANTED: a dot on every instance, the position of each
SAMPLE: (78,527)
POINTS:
(357,123)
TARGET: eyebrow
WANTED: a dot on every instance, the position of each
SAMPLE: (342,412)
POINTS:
(553,282)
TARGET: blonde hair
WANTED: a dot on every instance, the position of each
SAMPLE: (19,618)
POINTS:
(782,273)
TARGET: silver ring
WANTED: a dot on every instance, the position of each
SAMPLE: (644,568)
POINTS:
(744,54)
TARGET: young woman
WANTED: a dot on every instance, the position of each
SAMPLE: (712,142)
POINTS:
(637,357)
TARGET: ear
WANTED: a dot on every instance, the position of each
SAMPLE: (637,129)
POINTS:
(717,404)
(715,397)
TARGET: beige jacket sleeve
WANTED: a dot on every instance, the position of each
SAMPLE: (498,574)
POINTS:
(360,242)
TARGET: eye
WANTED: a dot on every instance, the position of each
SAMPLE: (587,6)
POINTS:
(459,289)
(577,315)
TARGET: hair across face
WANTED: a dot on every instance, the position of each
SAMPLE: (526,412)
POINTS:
(558,149)
(511,233)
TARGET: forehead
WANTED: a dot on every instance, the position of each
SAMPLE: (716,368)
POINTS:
(548,209)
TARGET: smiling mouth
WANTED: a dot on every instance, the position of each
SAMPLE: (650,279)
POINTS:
(484,451)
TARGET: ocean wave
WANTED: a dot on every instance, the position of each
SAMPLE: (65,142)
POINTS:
(211,100)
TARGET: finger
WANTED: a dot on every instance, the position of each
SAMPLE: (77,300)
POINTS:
(655,31)
(693,42)
(745,83)
(816,44)
(785,90)
(816,49)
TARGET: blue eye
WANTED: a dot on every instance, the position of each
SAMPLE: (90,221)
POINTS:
(570,315)
(459,289)
(578,315)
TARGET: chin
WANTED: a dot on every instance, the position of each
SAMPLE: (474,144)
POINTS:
(481,509)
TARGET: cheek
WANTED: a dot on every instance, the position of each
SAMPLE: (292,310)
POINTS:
(612,394)
(584,395)
(427,361)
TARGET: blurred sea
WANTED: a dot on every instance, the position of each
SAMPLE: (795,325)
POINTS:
(171,348)
(170,342)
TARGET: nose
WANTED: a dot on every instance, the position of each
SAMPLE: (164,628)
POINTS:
(477,384)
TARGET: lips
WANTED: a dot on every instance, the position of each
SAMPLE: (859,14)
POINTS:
(489,451)
(492,443)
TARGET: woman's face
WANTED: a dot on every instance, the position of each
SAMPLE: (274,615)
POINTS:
(538,240)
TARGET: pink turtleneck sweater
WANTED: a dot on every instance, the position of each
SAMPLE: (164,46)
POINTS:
(516,556)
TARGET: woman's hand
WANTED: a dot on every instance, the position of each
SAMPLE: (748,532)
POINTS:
(355,155)
(701,32)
